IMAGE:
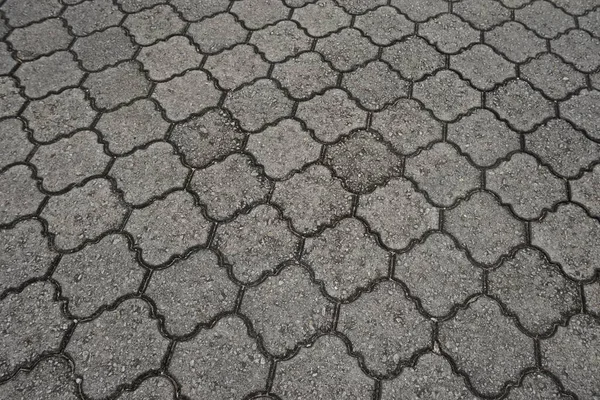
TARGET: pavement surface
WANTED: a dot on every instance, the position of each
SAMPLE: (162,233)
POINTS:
(299,199)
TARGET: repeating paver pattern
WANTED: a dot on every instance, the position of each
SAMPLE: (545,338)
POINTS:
(299,199)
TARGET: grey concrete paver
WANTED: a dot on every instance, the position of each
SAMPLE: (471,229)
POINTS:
(299,199)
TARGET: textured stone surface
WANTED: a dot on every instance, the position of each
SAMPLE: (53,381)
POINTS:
(583,110)
(322,17)
(90,16)
(256,243)
(258,13)
(49,74)
(592,297)
(217,33)
(11,99)
(195,10)
(578,48)
(24,12)
(585,190)
(545,19)
(449,33)
(40,39)
(153,388)
(346,49)
(20,195)
(103,48)
(305,75)
(14,142)
(384,25)
(514,41)
(537,386)
(116,348)
(150,25)
(554,77)
(280,41)
(483,14)
(413,58)
(236,66)
(167,58)
(117,85)
(482,67)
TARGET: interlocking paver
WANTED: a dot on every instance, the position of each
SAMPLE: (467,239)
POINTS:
(14,142)
(577,7)
(217,33)
(346,49)
(167,58)
(482,67)
(322,17)
(384,25)
(422,10)
(413,58)
(49,74)
(483,14)
(385,327)
(6,61)
(31,42)
(584,111)
(132,6)
(104,48)
(569,235)
(11,99)
(586,188)
(83,213)
(514,41)
(24,12)
(375,85)
(115,273)
(221,362)
(280,41)
(591,22)
(438,273)
(168,227)
(255,14)
(89,16)
(32,324)
(194,10)
(154,24)
(345,258)
(579,48)
(192,291)
(116,348)
(448,33)
(305,75)
(398,213)
(297,312)
(117,85)
(592,297)
(554,77)
(537,386)
(20,195)
(25,254)
(360,6)
(154,387)
(544,18)
(236,66)
(486,345)
(256,243)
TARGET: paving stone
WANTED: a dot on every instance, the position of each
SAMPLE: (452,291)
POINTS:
(258,104)
(537,386)
(431,376)
(167,58)
(553,76)
(577,7)
(571,353)
(191,292)
(194,10)
(533,289)
(98,274)
(117,85)
(58,115)
(360,6)
(207,138)
(283,148)
(51,379)
(305,75)
(514,41)
(90,16)
(132,6)
(514,3)
(331,115)
(362,161)
(70,160)
(149,173)
(592,297)
(578,48)
(7,63)
(312,199)
(116,348)
(545,19)
(322,371)
(132,126)
(258,13)
(520,105)
(230,186)
(25,254)
(217,33)
(439,274)
(483,137)
(585,190)
(447,95)
(591,22)
(151,25)
(236,66)
(398,213)
(40,39)
(222,362)
(83,214)
(448,33)
(297,313)
(298,3)
(443,173)
(375,85)
(104,48)
(20,195)
(482,67)
(186,95)
(281,41)
(32,323)
(167,228)
(529,188)
(568,235)
(14,142)
(256,243)
(4,28)
(486,345)
(413,58)
(384,25)
(322,18)
(345,259)
(584,111)
(422,10)
(485,228)
(153,388)
(482,14)
(595,80)
(346,49)
(49,74)
(24,12)
(563,148)
(385,327)
(406,126)
(10,96)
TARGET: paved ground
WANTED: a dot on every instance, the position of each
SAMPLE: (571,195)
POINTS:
(299,199)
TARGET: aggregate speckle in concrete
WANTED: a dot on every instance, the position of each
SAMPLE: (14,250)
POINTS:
(299,199)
